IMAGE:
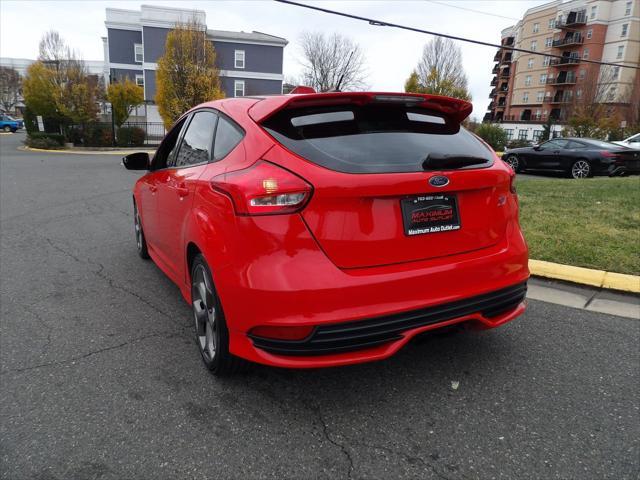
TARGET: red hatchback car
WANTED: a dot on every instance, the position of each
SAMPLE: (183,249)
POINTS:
(315,230)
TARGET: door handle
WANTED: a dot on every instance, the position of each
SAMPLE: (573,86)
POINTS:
(182,190)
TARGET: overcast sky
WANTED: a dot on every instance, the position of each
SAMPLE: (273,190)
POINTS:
(391,53)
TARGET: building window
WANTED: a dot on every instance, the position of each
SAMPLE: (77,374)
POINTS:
(552,23)
(583,72)
(239,59)
(238,88)
(627,10)
(534,45)
(578,93)
(625,27)
(536,27)
(548,42)
(140,79)
(594,10)
(543,78)
(537,135)
(615,73)
(522,134)
(612,94)
(509,133)
(138,52)
(525,97)
(620,51)
(539,97)
(585,53)
(589,33)
(530,63)
(527,80)
(545,61)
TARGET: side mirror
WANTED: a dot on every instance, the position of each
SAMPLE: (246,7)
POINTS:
(537,148)
(136,161)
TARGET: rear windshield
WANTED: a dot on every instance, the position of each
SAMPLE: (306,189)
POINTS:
(377,138)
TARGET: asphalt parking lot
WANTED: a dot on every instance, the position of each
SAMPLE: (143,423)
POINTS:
(100,377)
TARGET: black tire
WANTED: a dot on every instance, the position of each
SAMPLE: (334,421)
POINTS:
(211,333)
(580,168)
(141,242)
(7,128)
(514,162)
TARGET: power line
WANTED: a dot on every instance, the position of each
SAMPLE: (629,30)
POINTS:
(473,10)
(380,23)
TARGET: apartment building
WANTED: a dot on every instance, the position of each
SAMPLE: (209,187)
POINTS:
(250,63)
(528,90)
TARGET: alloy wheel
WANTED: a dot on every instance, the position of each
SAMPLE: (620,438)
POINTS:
(580,169)
(138,229)
(513,162)
(204,313)
(7,128)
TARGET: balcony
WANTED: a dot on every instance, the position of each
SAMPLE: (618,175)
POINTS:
(573,20)
(507,58)
(498,56)
(494,82)
(501,105)
(568,61)
(492,105)
(508,41)
(495,69)
(492,93)
(504,88)
(558,99)
(488,117)
(568,41)
(562,80)
(505,73)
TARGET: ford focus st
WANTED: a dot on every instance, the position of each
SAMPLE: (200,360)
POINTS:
(316,230)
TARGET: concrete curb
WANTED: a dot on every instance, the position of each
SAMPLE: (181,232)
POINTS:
(585,276)
(84,152)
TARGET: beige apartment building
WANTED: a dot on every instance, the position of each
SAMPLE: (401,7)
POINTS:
(529,89)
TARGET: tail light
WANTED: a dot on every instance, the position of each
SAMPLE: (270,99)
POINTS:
(264,189)
(512,184)
(282,333)
(608,154)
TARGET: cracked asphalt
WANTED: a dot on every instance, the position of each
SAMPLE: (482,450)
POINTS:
(100,378)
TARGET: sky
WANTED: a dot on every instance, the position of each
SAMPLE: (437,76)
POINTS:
(391,53)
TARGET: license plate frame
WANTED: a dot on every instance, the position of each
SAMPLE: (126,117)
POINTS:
(426,214)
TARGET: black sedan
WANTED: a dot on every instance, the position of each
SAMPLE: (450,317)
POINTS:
(576,157)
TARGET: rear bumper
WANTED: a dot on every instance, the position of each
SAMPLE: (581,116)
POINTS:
(297,284)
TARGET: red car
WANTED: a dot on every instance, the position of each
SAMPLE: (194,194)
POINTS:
(315,230)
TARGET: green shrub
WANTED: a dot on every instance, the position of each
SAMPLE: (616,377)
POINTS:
(130,137)
(45,140)
(494,135)
(97,135)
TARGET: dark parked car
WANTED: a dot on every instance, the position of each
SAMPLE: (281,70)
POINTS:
(577,157)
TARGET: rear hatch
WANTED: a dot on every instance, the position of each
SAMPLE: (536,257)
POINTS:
(395,177)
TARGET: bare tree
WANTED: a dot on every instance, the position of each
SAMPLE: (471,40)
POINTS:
(440,69)
(332,62)
(10,88)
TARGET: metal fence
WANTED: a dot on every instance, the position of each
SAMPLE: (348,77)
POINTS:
(154,132)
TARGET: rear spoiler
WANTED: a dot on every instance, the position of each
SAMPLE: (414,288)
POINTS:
(453,109)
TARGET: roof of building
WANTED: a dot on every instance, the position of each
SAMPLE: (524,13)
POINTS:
(254,36)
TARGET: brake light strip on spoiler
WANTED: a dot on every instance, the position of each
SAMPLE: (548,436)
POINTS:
(452,108)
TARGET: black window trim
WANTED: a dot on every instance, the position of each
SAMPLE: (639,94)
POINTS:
(187,119)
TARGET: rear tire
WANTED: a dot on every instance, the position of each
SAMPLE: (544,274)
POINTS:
(514,162)
(581,168)
(211,333)
(7,128)
(141,242)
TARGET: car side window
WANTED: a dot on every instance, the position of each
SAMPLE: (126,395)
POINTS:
(197,141)
(228,135)
(557,143)
(573,144)
(166,151)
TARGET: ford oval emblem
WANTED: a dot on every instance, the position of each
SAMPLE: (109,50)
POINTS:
(438,181)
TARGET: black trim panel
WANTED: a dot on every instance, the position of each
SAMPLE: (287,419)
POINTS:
(360,334)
